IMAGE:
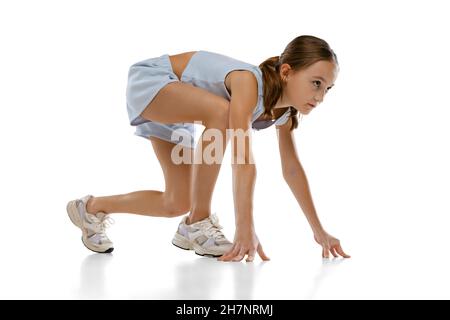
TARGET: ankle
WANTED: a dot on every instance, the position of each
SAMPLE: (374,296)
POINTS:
(195,217)
(91,206)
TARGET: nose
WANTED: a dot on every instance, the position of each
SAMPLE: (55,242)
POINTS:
(319,98)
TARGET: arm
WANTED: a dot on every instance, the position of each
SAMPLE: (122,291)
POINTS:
(295,177)
(244,88)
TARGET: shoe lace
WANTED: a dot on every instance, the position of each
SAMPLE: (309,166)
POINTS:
(101,221)
(212,227)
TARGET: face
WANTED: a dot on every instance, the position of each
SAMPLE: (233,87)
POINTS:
(306,88)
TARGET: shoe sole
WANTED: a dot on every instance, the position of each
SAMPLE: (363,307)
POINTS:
(74,216)
(181,242)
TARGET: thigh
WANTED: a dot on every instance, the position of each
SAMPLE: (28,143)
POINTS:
(177,176)
(183,102)
(177,133)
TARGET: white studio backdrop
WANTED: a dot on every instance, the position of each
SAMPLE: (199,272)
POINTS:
(376,150)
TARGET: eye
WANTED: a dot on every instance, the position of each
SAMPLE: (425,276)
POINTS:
(319,83)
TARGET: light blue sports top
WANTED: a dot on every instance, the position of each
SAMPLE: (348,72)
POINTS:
(208,70)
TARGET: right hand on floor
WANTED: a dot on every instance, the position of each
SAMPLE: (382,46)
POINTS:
(245,244)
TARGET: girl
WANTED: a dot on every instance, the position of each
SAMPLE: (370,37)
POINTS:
(167,94)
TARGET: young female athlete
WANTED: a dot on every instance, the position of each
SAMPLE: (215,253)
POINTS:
(167,95)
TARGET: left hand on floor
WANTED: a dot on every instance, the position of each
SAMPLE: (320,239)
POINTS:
(329,244)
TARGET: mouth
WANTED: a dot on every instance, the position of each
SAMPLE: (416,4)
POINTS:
(311,105)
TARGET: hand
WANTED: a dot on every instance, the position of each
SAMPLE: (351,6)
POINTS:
(329,244)
(245,243)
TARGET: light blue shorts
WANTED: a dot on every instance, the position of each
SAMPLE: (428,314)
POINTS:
(145,79)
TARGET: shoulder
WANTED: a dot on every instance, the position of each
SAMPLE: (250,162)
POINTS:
(244,94)
(243,82)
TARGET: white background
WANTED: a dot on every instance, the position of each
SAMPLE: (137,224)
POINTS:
(376,151)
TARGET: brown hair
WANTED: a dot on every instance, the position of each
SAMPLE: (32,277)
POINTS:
(300,53)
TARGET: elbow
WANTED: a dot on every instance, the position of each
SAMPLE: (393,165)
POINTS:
(290,172)
(287,175)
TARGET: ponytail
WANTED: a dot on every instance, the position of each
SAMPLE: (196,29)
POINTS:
(273,88)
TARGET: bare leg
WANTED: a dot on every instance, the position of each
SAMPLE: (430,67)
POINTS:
(146,202)
(174,201)
(180,102)
(204,178)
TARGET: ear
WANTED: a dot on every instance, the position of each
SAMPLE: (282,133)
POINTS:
(285,69)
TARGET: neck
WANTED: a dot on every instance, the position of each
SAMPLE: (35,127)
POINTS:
(282,103)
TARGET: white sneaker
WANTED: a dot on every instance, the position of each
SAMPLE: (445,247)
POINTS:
(92,225)
(203,236)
